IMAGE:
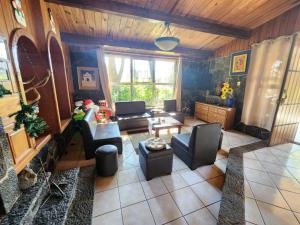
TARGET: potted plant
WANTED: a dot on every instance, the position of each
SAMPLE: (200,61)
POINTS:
(28,116)
(227,94)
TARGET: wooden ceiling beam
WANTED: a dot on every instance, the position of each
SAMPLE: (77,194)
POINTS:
(77,39)
(203,25)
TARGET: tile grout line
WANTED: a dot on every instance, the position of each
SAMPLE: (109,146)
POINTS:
(120,200)
(148,204)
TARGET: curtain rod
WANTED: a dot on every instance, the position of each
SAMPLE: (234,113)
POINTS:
(153,55)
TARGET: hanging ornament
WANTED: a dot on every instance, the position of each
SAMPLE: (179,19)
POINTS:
(19,13)
(52,22)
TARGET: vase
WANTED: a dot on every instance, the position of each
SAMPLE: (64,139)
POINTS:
(230,102)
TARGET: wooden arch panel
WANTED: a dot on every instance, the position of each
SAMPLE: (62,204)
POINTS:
(57,66)
(31,68)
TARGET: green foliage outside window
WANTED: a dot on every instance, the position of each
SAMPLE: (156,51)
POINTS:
(121,92)
(150,80)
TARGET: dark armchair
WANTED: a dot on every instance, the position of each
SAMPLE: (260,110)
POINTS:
(170,107)
(199,147)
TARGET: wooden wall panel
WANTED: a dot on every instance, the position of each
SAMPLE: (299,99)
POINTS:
(3,29)
(37,29)
(285,24)
(66,52)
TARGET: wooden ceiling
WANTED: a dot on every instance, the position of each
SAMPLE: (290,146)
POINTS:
(114,26)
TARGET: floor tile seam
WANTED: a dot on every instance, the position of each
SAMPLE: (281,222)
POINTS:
(259,200)
(107,213)
(194,183)
(119,199)
(260,213)
(180,209)
(298,219)
(199,197)
(294,179)
(292,174)
(270,174)
(275,186)
(148,204)
(287,201)
(184,215)
(267,202)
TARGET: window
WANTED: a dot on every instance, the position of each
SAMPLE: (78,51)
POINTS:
(149,79)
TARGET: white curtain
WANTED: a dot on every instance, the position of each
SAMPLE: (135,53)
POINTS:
(264,80)
(104,79)
(177,92)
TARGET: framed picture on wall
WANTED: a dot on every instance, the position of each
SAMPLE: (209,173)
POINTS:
(88,78)
(240,62)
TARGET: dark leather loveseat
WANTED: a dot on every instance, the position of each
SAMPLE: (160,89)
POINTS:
(131,115)
(95,135)
(199,147)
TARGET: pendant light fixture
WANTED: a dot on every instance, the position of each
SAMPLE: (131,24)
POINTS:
(167,42)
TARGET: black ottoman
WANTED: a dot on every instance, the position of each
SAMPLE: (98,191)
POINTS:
(106,160)
(155,163)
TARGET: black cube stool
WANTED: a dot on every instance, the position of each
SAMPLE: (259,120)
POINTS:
(106,160)
(155,163)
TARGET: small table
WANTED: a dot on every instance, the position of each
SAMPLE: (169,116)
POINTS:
(160,123)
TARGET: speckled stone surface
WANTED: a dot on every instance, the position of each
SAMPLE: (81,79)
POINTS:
(55,210)
(81,209)
(9,186)
(232,209)
(26,206)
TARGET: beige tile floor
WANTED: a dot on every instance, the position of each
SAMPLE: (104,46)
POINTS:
(272,185)
(183,198)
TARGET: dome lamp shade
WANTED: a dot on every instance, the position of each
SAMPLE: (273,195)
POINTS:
(168,42)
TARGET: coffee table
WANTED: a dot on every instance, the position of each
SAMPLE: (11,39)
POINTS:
(160,123)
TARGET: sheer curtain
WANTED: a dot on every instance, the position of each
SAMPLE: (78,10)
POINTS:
(178,78)
(267,67)
(104,79)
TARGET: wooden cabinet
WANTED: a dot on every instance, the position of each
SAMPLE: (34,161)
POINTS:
(215,114)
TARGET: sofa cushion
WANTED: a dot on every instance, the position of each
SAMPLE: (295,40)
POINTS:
(127,108)
(133,116)
(183,139)
(107,131)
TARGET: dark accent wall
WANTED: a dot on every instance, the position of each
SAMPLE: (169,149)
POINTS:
(87,58)
(219,72)
(201,79)
(195,82)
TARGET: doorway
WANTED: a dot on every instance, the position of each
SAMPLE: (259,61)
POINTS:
(287,118)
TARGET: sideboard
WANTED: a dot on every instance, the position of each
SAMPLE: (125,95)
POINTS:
(215,114)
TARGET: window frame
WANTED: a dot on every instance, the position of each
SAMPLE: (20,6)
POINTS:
(151,60)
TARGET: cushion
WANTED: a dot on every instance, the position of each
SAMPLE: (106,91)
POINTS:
(183,139)
(134,107)
(106,150)
(107,131)
(134,116)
